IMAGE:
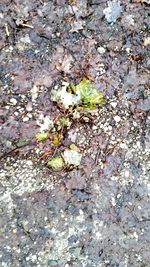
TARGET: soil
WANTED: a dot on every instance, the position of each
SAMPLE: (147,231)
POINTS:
(96,215)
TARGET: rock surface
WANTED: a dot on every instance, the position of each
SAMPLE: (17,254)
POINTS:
(96,215)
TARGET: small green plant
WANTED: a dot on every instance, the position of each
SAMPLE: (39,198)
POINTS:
(83,94)
(40,137)
(89,95)
(56,163)
(56,140)
(63,122)
(75,102)
(69,158)
(74,147)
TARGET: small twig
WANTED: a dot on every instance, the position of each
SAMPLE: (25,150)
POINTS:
(27,25)
(97,156)
(46,154)
(14,149)
(55,151)
(72,10)
(43,36)
(145,220)
(97,4)
(7,30)
(70,51)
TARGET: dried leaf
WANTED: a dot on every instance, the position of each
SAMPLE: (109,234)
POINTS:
(77,26)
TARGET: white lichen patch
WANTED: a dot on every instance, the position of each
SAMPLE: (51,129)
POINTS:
(45,123)
(72,157)
(34,92)
(65,98)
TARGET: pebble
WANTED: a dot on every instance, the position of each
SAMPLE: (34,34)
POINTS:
(128,50)
(29,115)
(8,143)
(113,138)
(101,50)
(29,106)
(117,118)
(13,101)
(34,92)
(34,257)
(57,34)
(135,124)
(16,113)
(123,145)
(138,143)
(113,104)
(110,128)
(1,16)
(101,70)
(25,119)
(29,162)
(113,201)
(94,127)
(127,173)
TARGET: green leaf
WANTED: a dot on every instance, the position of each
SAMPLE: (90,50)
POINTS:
(56,163)
(41,136)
